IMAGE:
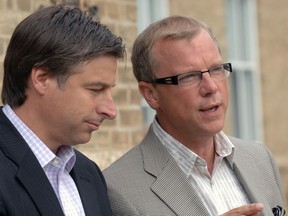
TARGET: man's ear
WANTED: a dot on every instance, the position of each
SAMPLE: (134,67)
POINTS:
(39,79)
(149,93)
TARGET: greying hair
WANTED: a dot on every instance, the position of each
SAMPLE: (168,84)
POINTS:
(170,28)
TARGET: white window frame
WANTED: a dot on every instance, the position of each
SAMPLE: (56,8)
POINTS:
(245,95)
(148,12)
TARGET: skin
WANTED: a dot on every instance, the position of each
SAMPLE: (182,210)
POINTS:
(254,209)
(192,114)
(68,115)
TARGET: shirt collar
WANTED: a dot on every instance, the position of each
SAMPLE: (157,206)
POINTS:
(184,157)
(67,155)
(43,154)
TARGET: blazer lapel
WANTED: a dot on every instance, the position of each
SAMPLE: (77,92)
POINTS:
(86,191)
(30,174)
(33,178)
(246,171)
(171,185)
(91,190)
(83,185)
(173,188)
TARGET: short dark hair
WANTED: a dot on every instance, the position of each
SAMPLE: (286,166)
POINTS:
(56,38)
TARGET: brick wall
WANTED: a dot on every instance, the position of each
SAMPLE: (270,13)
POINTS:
(273,45)
(117,136)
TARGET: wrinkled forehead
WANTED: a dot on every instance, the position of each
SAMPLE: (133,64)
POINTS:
(181,53)
(166,41)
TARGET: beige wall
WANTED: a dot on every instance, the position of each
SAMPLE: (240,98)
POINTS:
(273,47)
(117,136)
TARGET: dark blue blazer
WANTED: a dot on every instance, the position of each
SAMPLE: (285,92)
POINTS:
(25,189)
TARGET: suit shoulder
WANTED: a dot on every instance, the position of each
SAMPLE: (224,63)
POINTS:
(128,161)
(82,158)
(255,149)
(242,143)
(84,163)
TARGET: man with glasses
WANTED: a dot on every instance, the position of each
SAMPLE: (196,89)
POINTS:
(186,165)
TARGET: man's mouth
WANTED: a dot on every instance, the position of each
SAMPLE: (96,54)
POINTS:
(93,125)
(210,108)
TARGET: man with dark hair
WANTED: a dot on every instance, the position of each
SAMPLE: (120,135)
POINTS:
(59,70)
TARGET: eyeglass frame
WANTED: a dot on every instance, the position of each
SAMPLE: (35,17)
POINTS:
(173,80)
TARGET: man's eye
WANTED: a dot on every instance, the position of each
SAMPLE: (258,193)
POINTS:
(188,77)
(217,69)
(95,90)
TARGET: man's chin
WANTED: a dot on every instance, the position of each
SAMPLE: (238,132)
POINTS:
(84,139)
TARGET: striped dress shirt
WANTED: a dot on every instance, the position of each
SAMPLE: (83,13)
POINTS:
(220,191)
(56,167)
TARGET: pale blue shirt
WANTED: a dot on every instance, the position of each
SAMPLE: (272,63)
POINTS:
(220,191)
(56,167)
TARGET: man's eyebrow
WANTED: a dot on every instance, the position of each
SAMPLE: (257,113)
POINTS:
(102,84)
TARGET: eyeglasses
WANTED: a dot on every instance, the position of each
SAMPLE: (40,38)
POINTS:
(219,72)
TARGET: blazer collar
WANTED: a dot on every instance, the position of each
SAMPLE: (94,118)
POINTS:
(171,184)
(29,172)
(88,190)
(31,175)
(34,179)
(244,167)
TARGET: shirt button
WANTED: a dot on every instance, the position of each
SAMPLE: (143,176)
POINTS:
(55,162)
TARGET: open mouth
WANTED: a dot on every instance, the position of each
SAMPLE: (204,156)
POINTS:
(210,109)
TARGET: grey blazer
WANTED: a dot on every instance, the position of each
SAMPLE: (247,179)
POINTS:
(147,180)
